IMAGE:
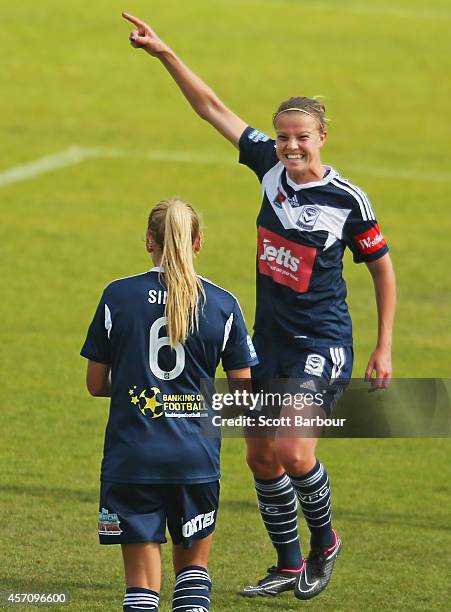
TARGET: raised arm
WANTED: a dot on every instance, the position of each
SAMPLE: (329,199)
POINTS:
(385,287)
(203,100)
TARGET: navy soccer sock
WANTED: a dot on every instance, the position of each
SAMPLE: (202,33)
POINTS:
(313,493)
(138,598)
(192,590)
(278,507)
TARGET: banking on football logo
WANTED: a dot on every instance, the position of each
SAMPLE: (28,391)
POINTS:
(146,402)
(154,404)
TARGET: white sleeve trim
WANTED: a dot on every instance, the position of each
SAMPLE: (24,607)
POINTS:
(227,330)
(108,321)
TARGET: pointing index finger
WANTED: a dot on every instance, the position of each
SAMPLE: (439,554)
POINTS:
(132,19)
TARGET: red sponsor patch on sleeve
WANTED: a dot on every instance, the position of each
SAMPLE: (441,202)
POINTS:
(370,241)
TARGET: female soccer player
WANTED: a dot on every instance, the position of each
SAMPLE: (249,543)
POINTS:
(153,338)
(308,216)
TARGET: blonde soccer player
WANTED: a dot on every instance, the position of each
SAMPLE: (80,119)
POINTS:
(154,337)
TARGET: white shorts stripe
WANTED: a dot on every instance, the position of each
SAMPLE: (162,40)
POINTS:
(338,359)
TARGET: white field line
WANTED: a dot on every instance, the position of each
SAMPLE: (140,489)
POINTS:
(24,172)
(75,155)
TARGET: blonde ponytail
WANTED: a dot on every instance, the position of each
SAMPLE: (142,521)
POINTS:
(174,226)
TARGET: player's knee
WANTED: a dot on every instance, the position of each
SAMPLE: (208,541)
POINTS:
(263,465)
(297,464)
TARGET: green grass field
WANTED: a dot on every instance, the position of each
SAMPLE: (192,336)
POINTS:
(70,79)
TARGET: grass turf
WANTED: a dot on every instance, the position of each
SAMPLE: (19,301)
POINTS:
(69,78)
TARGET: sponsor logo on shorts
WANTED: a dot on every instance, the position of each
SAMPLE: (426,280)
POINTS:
(314,364)
(199,522)
(308,217)
(286,262)
(370,241)
(109,523)
(310,384)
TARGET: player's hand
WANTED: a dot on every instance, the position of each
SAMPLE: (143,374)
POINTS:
(380,364)
(143,37)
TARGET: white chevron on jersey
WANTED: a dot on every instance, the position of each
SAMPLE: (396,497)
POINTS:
(330,219)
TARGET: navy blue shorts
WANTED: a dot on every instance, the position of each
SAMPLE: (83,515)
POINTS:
(291,368)
(134,513)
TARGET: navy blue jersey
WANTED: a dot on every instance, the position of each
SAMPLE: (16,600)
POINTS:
(154,432)
(303,231)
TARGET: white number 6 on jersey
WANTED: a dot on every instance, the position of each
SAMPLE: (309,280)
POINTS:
(155,344)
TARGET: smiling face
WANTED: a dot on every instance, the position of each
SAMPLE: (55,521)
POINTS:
(299,138)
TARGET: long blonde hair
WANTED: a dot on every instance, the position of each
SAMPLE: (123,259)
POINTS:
(174,226)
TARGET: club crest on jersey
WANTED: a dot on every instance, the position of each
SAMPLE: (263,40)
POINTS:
(308,217)
(146,402)
(109,523)
(314,364)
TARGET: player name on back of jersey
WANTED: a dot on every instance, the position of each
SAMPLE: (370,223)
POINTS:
(286,262)
(157,296)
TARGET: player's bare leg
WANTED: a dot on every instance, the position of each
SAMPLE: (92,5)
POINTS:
(142,567)
(296,455)
(262,458)
(198,554)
